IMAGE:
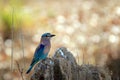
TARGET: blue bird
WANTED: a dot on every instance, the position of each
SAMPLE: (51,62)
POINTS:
(42,50)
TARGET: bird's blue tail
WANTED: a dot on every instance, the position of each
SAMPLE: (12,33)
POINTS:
(29,70)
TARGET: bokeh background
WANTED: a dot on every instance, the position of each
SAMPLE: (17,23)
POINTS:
(90,29)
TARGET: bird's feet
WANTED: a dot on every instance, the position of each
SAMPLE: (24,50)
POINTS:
(43,60)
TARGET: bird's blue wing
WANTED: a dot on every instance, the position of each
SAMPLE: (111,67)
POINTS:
(37,56)
(39,50)
(38,53)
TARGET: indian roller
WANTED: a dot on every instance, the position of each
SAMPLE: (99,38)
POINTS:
(42,50)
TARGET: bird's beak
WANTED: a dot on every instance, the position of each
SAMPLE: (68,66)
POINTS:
(52,35)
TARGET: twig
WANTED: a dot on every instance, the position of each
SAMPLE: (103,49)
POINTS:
(78,60)
(12,31)
(22,42)
(83,57)
(20,70)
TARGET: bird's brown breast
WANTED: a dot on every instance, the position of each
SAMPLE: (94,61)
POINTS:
(47,49)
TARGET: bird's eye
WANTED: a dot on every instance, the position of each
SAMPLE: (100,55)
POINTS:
(46,36)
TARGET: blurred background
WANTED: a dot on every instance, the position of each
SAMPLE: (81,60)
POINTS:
(90,29)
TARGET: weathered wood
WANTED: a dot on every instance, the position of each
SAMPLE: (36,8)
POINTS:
(63,66)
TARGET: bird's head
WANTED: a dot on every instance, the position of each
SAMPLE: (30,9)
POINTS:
(47,36)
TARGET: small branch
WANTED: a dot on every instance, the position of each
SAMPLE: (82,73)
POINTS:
(12,31)
(78,60)
(20,70)
(83,56)
(22,47)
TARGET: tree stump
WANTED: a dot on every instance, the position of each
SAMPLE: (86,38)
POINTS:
(63,66)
